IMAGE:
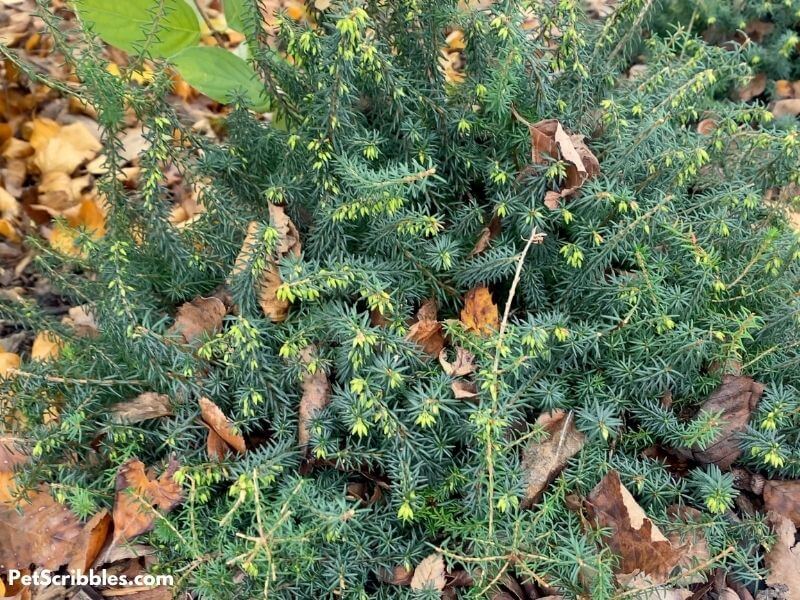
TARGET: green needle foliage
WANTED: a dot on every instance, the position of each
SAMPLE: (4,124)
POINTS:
(662,273)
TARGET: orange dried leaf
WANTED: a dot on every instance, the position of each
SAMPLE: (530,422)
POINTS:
(220,425)
(8,362)
(755,87)
(141,497)
(46,346)
(480,314)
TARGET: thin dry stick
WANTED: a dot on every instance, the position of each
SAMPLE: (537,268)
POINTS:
(534,237)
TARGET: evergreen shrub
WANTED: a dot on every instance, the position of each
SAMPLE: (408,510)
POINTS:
(456,228)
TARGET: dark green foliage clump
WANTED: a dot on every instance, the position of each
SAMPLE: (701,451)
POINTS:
(664,272)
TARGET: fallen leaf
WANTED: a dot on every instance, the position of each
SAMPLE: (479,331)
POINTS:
(47,534)
(399,575)
(89,216)
(549,138)
(691,538)
(201,316)
(288,237)
(542,461)
(316,393)
(427,331)
(755,87)
(463,390)
(783,497)
(464,363)
(61,148)
(58,192)
(82,320)
(706,126)
(735,399)
(783,559)
(786,108)
(641,546)
(480,314)
(220,426)
(148,405)
(46,346)
(8,361)
(11,457)
(140,497)
(9,206)
(429,574)
(785,89)
(288,242)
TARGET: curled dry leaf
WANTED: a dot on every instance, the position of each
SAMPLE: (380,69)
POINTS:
(480,314)
(316,393)
(275,308)
(220,434)
(549,138)
(542,461)
(787,89)
(140,497)
(61,148)
(11,457)
(735,399)
(198,317)
(641,546)
(706,126)
(463,390)
(429,574)
(88,216)
(464,364)
(148,405)
(783,497)
(783,559)
(427,331)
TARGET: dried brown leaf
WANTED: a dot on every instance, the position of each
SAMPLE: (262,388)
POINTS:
(148,405)
(783,497)
(786,108)
(549,138)
(316,393)
(82,320)
(427,334)
(542,461)
(429,574)
(464,364)
(755,87)
(48,534)
(735,399)
(399,575)
(783,559)
(198,317)
(220,425)
(288,237)
(463,390)
(140,497)
(693,542)
(480,314)
(634,537)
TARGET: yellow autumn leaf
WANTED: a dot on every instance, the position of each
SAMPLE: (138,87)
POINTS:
(46,346)
(61,148)
(8,361)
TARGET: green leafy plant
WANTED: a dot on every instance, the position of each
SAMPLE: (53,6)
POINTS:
(471,284)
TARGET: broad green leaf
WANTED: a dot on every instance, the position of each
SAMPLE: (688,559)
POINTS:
(219,74)
(129,24)
(234,11)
